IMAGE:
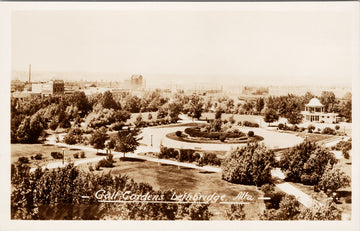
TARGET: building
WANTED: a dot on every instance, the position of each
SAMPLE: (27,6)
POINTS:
(314,112)
(53,87)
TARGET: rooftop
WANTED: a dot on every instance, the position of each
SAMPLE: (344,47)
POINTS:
(314,102)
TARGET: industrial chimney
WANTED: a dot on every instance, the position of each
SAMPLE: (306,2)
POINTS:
(29,73)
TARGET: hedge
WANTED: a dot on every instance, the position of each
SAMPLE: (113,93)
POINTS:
(195,132)
(189,155)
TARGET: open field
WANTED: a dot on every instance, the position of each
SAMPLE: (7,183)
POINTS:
(186,180)
(28,150)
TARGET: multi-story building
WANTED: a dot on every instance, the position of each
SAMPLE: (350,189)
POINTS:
(314,112)
(53,87)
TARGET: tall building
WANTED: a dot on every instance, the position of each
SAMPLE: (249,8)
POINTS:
(137,81)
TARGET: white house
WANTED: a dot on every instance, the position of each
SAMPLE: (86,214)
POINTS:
(314,112)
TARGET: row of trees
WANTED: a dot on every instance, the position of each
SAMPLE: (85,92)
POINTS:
(57,194)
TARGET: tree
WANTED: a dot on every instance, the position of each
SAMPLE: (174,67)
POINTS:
(236,212)
(214,126)
(98,138)
(199,211)
(328,99)
(248,165)
(324,211)
(174,111)
(260,103)
(196,104)
(127,140)
(79,100)
(73,136)
(333,179)
(139,121)
(289,209)
(30,129)
(271,116)
(218,113)
(293,111)
(306,162)
(107,101)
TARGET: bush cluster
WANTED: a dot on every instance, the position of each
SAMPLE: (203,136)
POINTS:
(107,162)
(38,156)
(344,146)
(189,155)
(23,160)
(306,163)
(250,124)
(56,155)
(248,165)
(329,131)
(195,132)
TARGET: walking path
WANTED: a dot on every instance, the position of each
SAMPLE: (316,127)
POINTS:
(277,174)
(284,186)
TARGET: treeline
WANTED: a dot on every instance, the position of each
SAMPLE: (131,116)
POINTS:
(30,117)
(57,194)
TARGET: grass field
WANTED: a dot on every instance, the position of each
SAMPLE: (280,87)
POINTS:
(28,150)
(186,180)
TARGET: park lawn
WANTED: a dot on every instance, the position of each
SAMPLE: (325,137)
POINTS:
(28,150)
(312,137)
(164,177)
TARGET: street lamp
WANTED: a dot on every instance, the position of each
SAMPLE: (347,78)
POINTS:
(151,144)
(63,155)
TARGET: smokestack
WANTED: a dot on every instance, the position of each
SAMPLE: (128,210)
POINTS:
(29,73)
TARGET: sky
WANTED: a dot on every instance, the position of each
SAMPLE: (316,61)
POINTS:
(254,46)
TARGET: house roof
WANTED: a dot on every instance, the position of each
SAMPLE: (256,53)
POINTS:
(314,102)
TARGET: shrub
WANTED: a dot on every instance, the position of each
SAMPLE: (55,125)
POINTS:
(38,156)
(248,165)
(281,126)
(91,168)
(57,155)
(250,124)
(23,160)
(82,154)
(306,162)
(97,166)
(106,163)
(118,126)
(76,155)
(150,116)
(337,127)
(333,179)
(222,138)
(196,132)
(236,212)
(310,128)
(250,133)
(329,131)
(178,133)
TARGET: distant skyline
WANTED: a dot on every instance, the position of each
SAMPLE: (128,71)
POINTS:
(281,47)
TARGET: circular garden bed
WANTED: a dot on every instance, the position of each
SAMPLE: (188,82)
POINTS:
(194,135)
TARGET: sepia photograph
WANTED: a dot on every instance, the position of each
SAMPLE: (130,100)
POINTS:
(183,112)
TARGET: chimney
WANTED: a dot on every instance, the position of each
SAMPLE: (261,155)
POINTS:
(29,73)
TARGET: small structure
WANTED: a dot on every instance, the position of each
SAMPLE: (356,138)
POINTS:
(314,112)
